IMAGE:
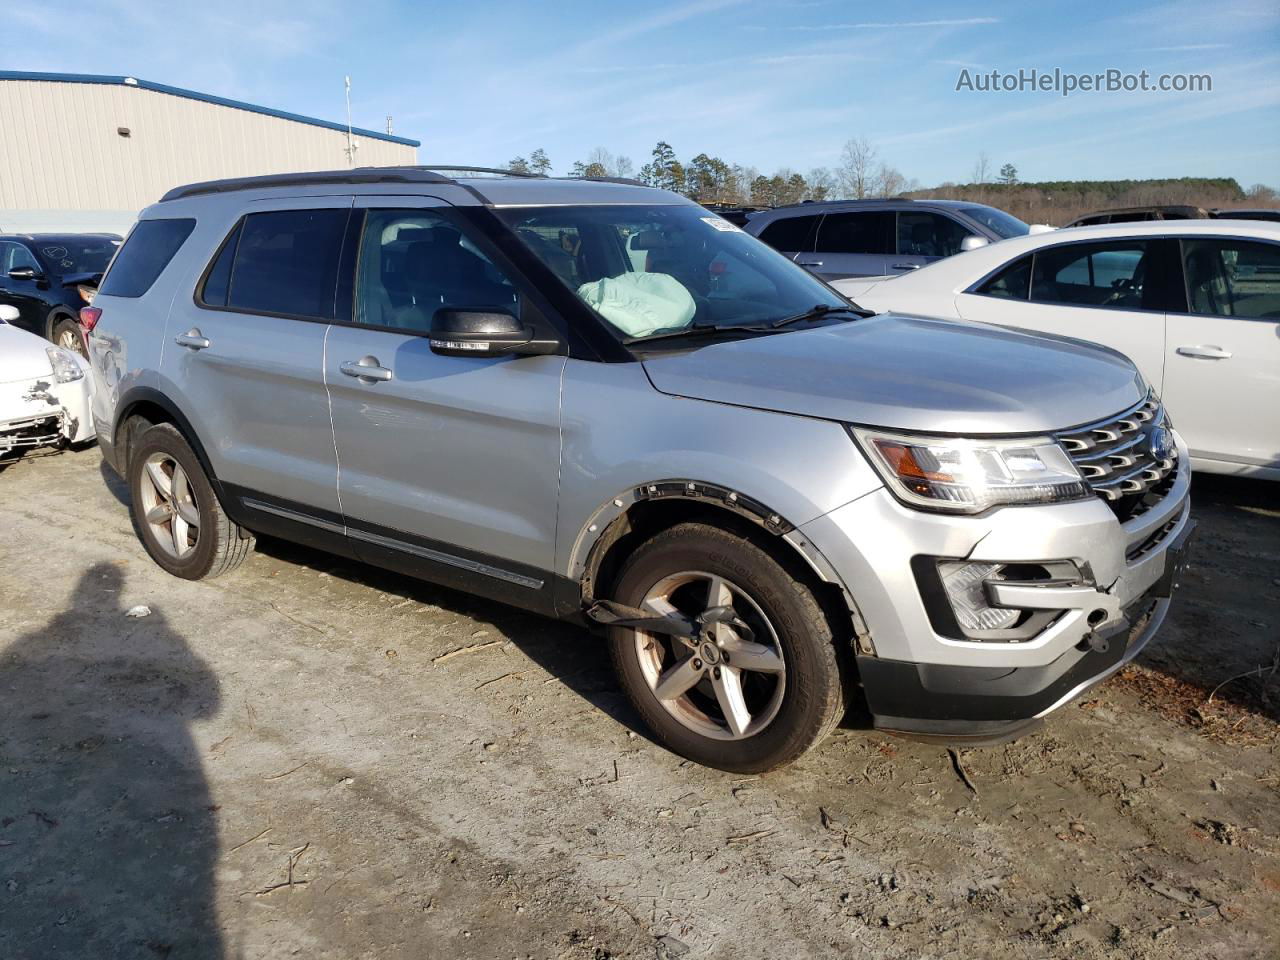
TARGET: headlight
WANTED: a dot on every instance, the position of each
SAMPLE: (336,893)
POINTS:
(65,368)
(970,476)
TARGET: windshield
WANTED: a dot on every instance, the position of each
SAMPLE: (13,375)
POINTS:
(1004,225)
(654,269)
(68,255)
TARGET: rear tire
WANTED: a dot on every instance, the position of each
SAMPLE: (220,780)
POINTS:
(175,512)
(786,692)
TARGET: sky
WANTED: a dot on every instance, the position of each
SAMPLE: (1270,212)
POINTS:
(758,84)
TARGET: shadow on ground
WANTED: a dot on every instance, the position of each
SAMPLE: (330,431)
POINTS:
(107,832)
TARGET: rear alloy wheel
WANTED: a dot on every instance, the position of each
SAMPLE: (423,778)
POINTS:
(760,682)
(66,334)
(175,511)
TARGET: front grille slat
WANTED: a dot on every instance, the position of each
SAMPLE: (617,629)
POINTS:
(1119,459)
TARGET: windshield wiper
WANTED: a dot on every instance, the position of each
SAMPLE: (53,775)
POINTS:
(696,330)
(820,310)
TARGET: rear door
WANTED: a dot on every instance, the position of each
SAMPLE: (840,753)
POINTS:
(923,237)
(1222,366)
(852,243)
(1113,293)
(449,465)
(247,355)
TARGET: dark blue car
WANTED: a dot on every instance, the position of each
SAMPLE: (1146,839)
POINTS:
(43,274)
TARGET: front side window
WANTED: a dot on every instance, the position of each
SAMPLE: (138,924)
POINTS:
(868,232)
(1232,278)
(922,234)
(650,269)
(280,262)
(14,256)
(1092,274)
(414,263)
(792,234)
(145,254)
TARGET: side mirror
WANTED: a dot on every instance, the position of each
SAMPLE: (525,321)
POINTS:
(8,314)
(973,242)
(484,333)
(25,273)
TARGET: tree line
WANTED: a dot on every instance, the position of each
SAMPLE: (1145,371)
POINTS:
(861,174)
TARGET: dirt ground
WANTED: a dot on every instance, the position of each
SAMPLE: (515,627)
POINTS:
(314,758)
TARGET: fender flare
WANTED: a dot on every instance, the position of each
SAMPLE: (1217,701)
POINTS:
(138,395)
(597,529)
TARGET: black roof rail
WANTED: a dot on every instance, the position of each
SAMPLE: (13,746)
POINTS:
(463,168)
(361,175)
(627,180)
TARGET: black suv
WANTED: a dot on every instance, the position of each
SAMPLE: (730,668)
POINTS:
(42,275)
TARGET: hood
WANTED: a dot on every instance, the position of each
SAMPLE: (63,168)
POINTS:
(911,373)
(22,355)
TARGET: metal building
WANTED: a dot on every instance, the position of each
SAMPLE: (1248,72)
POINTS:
(81,152)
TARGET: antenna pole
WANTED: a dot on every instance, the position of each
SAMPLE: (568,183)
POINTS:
(351,150)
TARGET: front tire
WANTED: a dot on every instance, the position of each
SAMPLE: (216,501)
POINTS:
(66,334)
(742,700)
(175,512)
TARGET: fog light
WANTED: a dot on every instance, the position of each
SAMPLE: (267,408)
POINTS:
(964,585)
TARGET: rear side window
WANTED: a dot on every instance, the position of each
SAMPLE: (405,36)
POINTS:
(1011,283)
(790,233)
(869,232)
(150,247)
(282,262)
(923,234)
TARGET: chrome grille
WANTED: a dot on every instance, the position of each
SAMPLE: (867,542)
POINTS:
(1126,457)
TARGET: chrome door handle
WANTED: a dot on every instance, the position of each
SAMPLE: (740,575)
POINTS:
(809,263)
(193,339)
(366,368)
(1205,352)
(905,266)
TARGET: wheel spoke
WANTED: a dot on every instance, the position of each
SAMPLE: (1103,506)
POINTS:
(188,512)
(180,545)
(159,513)
(728,688)
(179,490)
(159,479)
(745,655)
(677,680)
(718,593)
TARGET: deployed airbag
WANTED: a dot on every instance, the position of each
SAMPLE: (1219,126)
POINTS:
(640,303)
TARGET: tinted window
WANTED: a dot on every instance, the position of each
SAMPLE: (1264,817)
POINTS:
(72,254)
(150,247)
(1004,225)
(794,234)
(1011,283)
(414,263)
(218,282)
(15,255)
(1132,217)
(1232,278)
(287,262)
(1092,274)
(923,234)
(870,232)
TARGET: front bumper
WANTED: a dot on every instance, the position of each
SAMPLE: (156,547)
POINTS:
(41,412)
(924,679)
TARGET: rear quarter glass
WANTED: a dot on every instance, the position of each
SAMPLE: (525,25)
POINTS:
(150,247)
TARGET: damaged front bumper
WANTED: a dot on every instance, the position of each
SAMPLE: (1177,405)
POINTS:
(43,414)
(976,627)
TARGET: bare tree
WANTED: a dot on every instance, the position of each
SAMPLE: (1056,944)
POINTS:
(857,161)
(888,182)
(981,169)
(822,184)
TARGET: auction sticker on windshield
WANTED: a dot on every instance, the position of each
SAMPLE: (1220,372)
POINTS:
(721,224)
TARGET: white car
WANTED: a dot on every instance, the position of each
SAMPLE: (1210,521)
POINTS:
(1194,303)
(44,391)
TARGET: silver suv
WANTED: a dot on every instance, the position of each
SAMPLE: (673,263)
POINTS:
(840,239)
(597,401)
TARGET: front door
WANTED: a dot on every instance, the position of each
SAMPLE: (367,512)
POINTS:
(449,466)
(1222,364)
(23,292)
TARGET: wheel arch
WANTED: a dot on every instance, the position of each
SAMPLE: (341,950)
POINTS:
(639,513)
(154,407)
(57,313)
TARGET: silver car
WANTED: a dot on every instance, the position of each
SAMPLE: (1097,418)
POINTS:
(597,401)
